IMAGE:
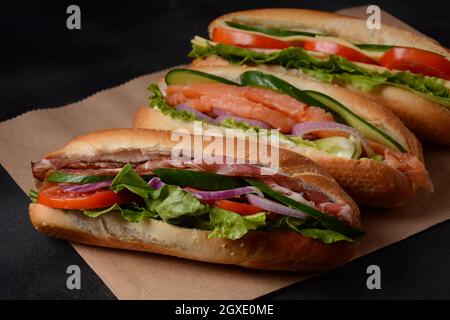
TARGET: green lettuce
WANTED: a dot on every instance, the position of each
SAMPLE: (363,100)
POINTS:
(173,202)
(234,124)
(310,229)
(128,179)
(333,69)
(233,226)
(33,194)
(131,213)
(168,202)
(157,101)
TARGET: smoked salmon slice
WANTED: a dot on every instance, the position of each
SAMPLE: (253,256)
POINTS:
(406,163)
(278,110)
(281,112)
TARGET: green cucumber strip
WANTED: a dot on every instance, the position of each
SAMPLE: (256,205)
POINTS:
(198,179)
(33,194)
(355,121)
(313,98)
(62,177)
(189,76)
(275,32)
(329,222)
(373,47)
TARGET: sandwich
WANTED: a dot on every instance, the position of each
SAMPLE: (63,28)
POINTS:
(406,72)
(123,188)
(364,146)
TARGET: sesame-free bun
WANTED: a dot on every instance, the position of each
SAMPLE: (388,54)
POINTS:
(278,250)
(369,182)
(348,28)
(429,120)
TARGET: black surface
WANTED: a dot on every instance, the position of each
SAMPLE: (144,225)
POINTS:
(34,266)
(45,65)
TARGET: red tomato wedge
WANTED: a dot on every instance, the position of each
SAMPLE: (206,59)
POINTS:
(238,207)
(416,61)
(337,49)
(247,40)
(53,196)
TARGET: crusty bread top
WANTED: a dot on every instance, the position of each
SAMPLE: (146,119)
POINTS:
(345,27)
(358,103)
(130,145)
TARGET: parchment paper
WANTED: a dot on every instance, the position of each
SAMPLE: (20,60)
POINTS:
(132,275)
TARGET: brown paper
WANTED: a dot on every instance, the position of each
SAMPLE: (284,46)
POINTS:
(133,275)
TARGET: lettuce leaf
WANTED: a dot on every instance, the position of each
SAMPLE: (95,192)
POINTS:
(128,179)
(33,194)
(173,202)
(168,202)
(333,69)
(325,235)
(131,213)
(233,226)
(310,229)
(157,101)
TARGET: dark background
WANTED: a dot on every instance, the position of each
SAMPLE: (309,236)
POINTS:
(44,65)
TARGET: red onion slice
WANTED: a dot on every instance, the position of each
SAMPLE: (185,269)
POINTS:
(156,183)
(198,114)
(88,187)
(220,112)
(226,194)
(275,207)
(251,122)
(300,129)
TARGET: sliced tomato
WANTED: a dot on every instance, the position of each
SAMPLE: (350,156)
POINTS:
(53,196)
(247,40)
(238,207)
(416,61)
(337,49)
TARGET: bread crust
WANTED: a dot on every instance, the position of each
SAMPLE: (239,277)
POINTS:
(334,24)
(278,250)
(367,181)
(429,121)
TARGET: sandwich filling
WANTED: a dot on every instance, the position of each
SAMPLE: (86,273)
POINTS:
(338,69)
(260,102)
(389,56)
(227,200)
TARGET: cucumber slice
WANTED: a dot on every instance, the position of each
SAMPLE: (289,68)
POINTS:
(327,221)
(275,32)
(355,121)
(373,47)
(341,113)
(62,177)
(189,76)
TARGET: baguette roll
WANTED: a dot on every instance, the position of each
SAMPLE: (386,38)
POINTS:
(369,182)
(333,24)
(281,249)
(427,118)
